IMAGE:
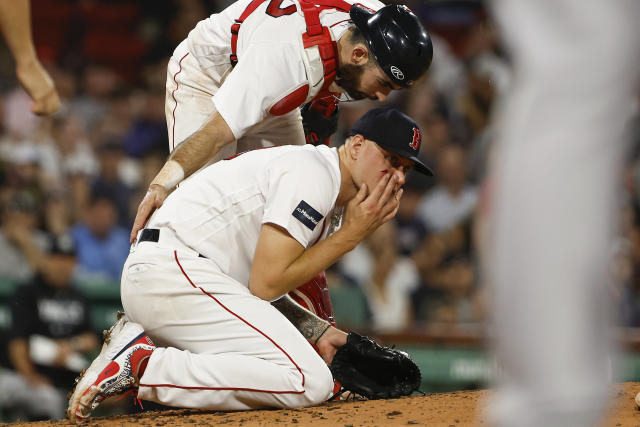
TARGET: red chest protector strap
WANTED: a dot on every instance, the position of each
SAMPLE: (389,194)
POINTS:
(316,34)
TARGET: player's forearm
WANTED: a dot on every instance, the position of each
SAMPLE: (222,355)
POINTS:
(194,152)
(309,325)
(269,283)
(15,22)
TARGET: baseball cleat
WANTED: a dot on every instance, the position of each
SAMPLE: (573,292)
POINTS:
(114,371)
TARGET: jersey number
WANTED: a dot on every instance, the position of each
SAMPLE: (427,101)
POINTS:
(274,9)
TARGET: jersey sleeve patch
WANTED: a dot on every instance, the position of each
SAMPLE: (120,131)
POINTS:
(307,215)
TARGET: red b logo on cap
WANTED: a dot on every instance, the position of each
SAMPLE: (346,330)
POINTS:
(417,137)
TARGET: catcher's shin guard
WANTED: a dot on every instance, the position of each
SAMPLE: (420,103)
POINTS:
(314,296)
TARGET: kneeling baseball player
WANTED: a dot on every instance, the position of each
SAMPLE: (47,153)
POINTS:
(208,323)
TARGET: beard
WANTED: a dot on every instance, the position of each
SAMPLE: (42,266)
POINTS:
(348,78)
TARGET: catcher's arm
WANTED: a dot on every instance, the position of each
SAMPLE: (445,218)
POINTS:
(193,153)
(316,330)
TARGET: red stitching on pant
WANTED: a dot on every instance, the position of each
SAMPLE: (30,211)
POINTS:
(175,253)
(173,113)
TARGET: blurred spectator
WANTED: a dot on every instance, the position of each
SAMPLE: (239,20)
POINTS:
(19,222)
(98,83)
(448,294)
(150,130)
(74,149)
(453,199)
(475,104)
(428,109)
(50,330)
(55,215)
(102,245)
(386,277)
(447,72)
(22,168)
(109,182)
(411,230)
(118,116)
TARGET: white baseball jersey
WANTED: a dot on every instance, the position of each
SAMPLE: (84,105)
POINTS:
(272,64)
(221,347)
(219,211)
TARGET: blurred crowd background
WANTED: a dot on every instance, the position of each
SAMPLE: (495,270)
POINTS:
(70,184)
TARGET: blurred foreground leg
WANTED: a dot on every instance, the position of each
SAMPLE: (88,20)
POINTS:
(553,204)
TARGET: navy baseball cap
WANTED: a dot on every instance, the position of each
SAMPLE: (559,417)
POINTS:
(393,131)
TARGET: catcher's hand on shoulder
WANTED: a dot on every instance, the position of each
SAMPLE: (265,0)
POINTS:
(366,368)
(152,200)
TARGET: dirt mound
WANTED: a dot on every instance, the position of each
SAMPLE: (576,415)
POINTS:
(463,408)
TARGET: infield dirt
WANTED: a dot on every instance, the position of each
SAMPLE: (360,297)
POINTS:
(464,408)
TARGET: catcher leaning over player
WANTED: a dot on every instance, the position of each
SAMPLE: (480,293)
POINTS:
(208,323)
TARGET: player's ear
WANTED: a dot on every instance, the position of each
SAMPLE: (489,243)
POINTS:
(355,145)
(359,54)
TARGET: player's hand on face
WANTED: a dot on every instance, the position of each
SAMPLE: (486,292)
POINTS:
(329,343)
(366,212)
(156,194)
(39,85)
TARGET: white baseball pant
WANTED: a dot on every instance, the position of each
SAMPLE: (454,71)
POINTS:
(219,347)
(555,186)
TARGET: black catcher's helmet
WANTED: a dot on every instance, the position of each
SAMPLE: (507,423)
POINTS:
(397,39)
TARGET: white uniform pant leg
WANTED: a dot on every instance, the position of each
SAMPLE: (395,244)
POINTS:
(555,183)
(220,347)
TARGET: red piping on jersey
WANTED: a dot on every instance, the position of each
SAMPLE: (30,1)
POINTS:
(175,253)
(339,22)
(173,113)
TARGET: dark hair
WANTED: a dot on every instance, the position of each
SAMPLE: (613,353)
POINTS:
(100,192)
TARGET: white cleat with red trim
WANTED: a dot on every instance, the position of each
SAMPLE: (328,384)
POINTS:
(115,371)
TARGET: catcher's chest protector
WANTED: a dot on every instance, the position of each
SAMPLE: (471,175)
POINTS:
(316,40)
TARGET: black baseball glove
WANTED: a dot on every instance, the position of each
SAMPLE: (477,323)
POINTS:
(366,368)
(319,120)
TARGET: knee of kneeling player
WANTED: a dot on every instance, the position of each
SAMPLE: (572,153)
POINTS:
(318,385)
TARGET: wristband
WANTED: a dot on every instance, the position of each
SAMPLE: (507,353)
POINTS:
(169,176)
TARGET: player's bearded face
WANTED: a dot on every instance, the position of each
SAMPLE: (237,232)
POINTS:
(349,78)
